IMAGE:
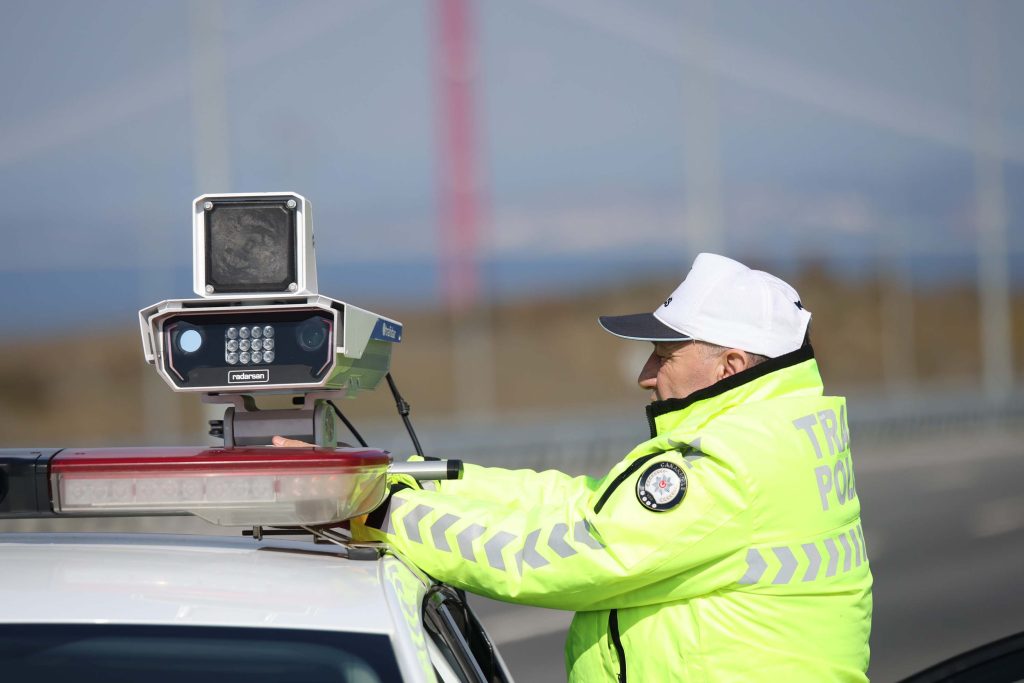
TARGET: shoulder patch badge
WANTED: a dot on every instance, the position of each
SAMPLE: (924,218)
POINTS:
(661,487)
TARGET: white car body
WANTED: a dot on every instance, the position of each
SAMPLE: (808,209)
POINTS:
(163,580)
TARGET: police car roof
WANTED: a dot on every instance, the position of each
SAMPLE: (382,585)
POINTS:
(195,580)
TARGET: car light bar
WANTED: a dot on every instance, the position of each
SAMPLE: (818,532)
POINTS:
(232,487)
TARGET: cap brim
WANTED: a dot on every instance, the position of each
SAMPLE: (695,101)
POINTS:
(640,327)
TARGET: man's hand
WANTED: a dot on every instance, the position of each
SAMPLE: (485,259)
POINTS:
(290,443)
(282,442)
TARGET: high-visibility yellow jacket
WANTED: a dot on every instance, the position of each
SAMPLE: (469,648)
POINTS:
(728,547)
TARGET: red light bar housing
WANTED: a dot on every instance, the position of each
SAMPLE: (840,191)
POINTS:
(247,486)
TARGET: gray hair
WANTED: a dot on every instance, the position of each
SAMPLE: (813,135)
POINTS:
(708,350)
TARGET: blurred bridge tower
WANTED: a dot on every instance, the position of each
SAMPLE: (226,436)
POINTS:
(990,206)
(460,204)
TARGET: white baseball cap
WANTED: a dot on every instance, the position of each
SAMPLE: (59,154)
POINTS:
(723,302)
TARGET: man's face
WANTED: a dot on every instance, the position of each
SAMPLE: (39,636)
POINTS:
(677,369)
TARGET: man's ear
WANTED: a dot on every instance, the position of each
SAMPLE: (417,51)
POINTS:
(732,362)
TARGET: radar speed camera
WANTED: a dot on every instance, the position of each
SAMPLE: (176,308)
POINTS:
(294,344)
(260,325)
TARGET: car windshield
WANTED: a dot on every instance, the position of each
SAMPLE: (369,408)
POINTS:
(197,654)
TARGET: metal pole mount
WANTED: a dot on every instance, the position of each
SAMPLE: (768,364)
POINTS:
(245,424)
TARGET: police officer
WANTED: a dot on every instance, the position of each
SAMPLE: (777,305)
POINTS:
(726,547)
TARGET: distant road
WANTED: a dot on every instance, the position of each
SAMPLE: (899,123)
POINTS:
(944,522)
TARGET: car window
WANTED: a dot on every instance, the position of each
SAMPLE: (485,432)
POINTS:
(460,638)
(197,654)
(1001,661)
(444,631)
(444,662)
(483,648)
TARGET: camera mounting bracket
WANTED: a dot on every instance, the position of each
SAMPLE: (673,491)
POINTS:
(245,424)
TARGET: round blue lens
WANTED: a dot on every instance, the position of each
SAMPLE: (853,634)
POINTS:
(190,341)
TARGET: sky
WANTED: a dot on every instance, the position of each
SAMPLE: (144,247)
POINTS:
(614,140)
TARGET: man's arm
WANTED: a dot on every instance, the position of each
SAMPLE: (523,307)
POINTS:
(582,550)
(521,487)
(499,485)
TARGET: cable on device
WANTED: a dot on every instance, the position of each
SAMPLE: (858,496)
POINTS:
(351,427)
(403,409)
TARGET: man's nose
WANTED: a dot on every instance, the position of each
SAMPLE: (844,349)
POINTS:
(649,372)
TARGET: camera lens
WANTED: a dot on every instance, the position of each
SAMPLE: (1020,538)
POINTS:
(189,340)
(311,334)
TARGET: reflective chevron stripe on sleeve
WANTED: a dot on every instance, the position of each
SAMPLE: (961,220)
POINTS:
(412,522)
(778,565)
(581,534)
(465,540)
(438,528)
(531,551)
(556,541)
(494,547)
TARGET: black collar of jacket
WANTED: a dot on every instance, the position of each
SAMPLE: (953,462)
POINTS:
(671,405)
